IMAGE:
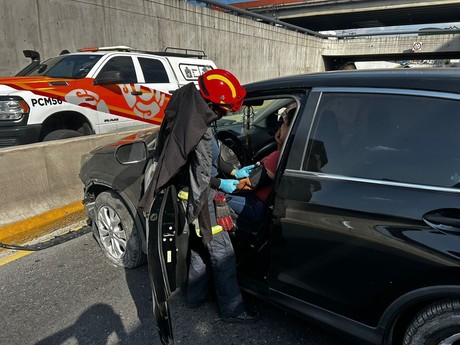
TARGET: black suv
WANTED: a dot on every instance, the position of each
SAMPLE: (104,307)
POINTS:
(362,232)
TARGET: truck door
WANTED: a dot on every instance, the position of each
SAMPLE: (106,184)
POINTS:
(127,103)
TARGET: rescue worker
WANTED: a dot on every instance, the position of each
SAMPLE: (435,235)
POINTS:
(189,154)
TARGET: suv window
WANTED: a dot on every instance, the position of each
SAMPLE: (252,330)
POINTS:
(389,137)
(154,71)
(123,64)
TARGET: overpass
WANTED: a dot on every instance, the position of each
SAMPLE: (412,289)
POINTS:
(325,15)
(430,47)
(338,49)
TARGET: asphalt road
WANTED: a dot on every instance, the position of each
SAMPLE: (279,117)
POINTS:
(69,294)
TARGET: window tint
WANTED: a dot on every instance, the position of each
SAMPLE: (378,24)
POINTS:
(402,138)
(154,71)
(123,64)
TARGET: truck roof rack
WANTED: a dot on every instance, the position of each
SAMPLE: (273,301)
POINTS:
(183,52)
(169,51)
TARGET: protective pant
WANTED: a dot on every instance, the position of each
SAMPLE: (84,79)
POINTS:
(217,260)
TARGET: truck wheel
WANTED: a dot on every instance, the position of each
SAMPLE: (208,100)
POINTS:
(61,134)
(437,324)
(118,235)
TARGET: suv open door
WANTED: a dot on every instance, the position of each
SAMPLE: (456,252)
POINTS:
(167,246)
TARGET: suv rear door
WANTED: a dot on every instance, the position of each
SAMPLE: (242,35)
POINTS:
(368,204)
(117,98)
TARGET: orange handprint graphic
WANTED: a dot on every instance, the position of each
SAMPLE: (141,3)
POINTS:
(145,103)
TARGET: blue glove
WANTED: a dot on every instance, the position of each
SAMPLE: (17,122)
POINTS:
(244,172)
(228,186)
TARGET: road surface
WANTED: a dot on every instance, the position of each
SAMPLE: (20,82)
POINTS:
(70,294)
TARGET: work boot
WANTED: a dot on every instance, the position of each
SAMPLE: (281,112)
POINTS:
(194,305)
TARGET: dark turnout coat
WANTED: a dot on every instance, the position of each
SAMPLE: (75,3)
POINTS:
(184,145)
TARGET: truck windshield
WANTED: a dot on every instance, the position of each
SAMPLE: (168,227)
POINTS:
(71,66)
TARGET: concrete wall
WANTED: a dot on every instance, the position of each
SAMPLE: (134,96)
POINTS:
(44,176)
(393,45)
(250,49)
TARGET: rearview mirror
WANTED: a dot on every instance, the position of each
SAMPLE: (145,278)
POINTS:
(254,102)
(131,153)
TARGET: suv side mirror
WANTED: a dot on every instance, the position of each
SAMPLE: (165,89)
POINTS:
(108,77)
(131,153)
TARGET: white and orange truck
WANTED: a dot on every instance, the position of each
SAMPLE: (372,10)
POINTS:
(93,91)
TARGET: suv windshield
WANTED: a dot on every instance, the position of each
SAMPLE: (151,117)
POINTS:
(66,66)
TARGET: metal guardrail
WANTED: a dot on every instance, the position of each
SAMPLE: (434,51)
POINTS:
(255,16)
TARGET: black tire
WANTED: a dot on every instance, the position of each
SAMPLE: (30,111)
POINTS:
(437,324)
(85,129)
(117,232)
(61,134)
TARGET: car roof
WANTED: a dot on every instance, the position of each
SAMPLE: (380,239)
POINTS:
(430,79)
(111,52)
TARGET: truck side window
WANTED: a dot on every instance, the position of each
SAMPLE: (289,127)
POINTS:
(123,64)
(154,71)
(387,137)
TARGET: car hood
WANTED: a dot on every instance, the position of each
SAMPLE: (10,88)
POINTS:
(137,136)
(35,83)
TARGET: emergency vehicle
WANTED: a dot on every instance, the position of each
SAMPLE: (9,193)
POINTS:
(93,91)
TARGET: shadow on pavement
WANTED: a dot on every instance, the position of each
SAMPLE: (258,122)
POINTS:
(95,326)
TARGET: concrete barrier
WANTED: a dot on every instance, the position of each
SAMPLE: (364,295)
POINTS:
(40,185)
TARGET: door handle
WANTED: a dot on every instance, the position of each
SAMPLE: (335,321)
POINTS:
(446,220)
(136,93)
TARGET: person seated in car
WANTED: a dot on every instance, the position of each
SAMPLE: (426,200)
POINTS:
(251,202)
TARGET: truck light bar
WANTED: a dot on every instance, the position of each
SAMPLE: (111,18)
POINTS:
(95,49)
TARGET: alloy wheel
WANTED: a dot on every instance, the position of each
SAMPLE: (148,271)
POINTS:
(113,236)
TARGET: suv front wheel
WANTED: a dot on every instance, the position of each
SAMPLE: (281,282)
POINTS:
(438,324)
(118,234)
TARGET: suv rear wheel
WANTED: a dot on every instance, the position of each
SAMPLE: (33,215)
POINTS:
(438,324)
(117,231)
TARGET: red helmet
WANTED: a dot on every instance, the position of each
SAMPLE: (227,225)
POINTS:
(222,88)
